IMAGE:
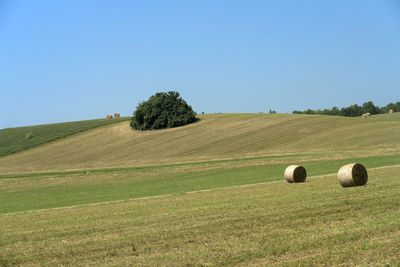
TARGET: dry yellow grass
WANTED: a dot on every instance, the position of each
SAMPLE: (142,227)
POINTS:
(217,136)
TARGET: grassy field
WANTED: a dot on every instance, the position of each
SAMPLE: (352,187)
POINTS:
(17,139)
(215,199)
(216,136)
(313,223)
(53,190)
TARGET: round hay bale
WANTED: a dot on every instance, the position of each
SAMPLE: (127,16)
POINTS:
(352,174)
(295,174)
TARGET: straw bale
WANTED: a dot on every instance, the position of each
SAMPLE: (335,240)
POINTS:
(352,174)
(109,117)
(116,115)
(295,174)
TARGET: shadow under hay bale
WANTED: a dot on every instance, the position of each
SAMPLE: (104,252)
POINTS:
(352,174)
(295,174)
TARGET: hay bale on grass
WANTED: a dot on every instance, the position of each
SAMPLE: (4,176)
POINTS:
(109,117)
(116,115)
(352,174)
(295,174)
(391,111)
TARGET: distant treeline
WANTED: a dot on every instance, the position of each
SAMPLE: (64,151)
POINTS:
(353,110)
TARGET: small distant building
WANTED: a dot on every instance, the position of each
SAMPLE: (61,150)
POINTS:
(117,115)
(109,117)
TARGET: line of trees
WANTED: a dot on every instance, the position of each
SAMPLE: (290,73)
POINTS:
(353,110)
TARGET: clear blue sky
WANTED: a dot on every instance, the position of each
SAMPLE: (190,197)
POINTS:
(73,60)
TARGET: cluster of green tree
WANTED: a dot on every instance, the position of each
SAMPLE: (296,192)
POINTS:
(353,110)
(162,110)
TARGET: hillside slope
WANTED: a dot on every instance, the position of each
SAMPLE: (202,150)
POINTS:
(20,138)
(216,136)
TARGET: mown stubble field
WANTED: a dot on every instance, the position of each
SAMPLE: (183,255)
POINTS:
(221,201)
(314,223)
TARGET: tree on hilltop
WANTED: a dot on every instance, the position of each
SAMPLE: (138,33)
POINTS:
(369,107)
(162,110)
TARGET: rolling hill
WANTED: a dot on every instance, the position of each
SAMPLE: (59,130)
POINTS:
(211,194)
(214,137)
(17,139)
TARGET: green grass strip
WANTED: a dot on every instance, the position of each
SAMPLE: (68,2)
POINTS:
(31,193)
